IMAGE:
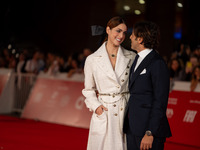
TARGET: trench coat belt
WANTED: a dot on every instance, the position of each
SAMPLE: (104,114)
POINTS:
(113,95)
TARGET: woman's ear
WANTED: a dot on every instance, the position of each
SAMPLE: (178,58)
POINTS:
(107,30)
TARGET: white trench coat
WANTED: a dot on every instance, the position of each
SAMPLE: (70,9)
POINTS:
(106,130)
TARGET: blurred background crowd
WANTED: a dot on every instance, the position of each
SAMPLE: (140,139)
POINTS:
(184,63)
(36,61)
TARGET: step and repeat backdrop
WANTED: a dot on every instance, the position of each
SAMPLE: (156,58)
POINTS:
(183,113)
(58,101)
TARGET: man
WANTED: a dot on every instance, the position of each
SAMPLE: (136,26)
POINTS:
(146,125)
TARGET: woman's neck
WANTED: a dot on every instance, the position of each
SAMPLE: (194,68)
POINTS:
(111,49)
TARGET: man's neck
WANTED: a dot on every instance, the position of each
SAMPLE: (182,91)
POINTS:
(141,49)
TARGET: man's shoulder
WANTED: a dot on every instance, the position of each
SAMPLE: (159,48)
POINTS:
(157,56)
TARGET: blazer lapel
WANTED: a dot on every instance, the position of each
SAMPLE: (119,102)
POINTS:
(103,62)
(143,65)
(121,62)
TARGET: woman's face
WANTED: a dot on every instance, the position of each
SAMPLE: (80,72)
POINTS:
(197,72)
(117,34)
(174,65)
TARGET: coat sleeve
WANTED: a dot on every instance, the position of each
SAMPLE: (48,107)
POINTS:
(160,82)
(89,90)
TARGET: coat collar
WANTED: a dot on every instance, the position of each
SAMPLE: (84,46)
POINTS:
(104,63)
(144,64)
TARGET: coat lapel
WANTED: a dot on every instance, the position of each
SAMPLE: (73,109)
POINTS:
(103,62)
(121,62)
(143,65)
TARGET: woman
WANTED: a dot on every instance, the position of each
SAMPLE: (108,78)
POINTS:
(175,70)
(195,78)
(106,88)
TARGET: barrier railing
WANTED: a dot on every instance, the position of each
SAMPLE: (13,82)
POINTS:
(22,87)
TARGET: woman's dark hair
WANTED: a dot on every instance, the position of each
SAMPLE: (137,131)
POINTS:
(172,72)
(193,72)
(150,33)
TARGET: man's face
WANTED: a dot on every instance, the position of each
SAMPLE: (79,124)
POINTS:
(134,41)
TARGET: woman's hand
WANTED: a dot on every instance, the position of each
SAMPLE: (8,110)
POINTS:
(100,110)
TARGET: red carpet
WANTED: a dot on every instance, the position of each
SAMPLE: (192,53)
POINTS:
(23,134)
(175,146)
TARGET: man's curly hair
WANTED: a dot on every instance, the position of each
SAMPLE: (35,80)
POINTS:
(150,33)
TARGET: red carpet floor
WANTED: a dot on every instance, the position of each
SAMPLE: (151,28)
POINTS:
(175,146)
(24,134)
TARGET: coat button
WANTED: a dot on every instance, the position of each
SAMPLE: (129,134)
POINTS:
(113,96)
(126,73)
(114,105)
(121,109)
(115,114)
(128,67)
(122,80)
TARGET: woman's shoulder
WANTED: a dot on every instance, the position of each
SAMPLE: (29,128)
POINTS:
(98,52)
(92,56)
(128,53)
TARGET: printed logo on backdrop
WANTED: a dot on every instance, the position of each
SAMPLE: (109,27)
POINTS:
(194,101)
(39,95)
(172,101)
(38,98)
(169,113)
(64,101)
(53,99)
(80,103)
(190,116)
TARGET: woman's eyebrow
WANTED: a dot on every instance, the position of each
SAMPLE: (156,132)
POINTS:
(121,29)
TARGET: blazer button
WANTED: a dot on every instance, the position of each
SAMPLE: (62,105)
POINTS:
(114,105)
(115,114)
(126,73)
(128,67)
(121,109)
(113,96)
(122,80)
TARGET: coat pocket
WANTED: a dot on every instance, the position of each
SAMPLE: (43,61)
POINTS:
(98,124)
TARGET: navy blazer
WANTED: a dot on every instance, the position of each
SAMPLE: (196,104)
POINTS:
(146,109)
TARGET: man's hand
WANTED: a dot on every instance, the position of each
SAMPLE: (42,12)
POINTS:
(146,142)
(100,109)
